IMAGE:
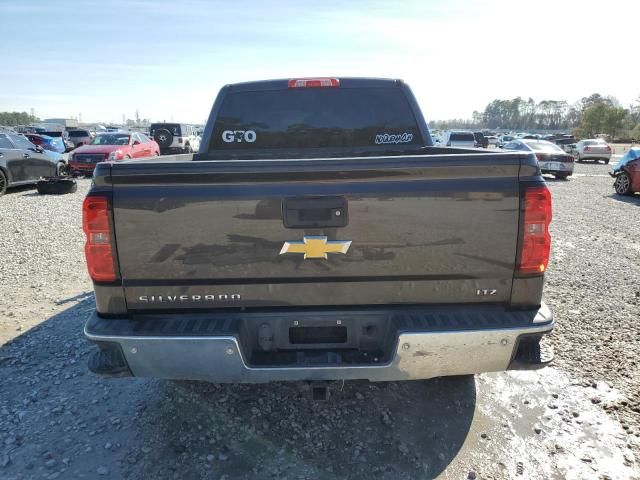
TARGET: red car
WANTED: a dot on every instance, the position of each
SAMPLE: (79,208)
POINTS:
(112,147)
(627,173)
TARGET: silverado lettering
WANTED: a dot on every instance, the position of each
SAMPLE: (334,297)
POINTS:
(188,298)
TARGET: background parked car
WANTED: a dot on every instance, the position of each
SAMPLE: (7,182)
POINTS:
(53,144)
(627,173)
(174,137)
(112,146)
(80,137)
(504,139)
(22,162)
(460,139)
(593,149)
(551,158)
(68,144)
(492,140)
(481,140)
(564,141)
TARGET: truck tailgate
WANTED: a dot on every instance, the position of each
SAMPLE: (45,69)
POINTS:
(395,230)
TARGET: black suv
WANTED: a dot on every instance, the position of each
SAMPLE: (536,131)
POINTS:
(481,140)
(175,137)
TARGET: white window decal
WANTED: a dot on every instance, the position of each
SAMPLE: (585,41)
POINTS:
(384,138)
(239,136)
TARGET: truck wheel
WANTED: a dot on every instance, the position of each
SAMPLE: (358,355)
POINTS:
(623,184)
(3,183)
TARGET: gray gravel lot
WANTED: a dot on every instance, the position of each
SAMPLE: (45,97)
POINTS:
(578,419)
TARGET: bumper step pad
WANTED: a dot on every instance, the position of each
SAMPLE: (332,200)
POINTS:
(109,361)
(533,354)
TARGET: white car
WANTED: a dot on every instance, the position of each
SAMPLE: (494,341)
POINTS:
(593,149)
(551,158)
(460,139)
(504,139)
(492,139)
(196,143)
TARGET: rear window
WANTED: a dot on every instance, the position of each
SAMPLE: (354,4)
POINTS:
(53,134)
(315,118)
(461,137)
(544,146)
(78,133)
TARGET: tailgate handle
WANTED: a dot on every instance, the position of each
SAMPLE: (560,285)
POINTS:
(315,212)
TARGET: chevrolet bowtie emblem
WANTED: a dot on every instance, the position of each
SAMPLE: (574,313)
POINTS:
(316,247)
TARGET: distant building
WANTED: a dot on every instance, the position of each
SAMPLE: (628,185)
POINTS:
(67,122)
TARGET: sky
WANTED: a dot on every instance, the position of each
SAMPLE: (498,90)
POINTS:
(168,59)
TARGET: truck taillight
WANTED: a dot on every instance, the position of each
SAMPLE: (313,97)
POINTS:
(314,83)
(536,240)
(98,249)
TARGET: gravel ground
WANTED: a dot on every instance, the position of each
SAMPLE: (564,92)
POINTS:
(577,419)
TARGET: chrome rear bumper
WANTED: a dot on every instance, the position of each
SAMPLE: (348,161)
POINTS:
(416,355)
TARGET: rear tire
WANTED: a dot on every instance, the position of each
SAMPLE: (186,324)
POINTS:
(561,176)
(56,186)
(606,161)
(4,183)
(163,137)
(622,184)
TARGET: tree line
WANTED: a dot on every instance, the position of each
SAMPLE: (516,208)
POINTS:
(590,116)
(11,119)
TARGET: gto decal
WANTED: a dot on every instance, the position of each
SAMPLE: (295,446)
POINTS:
(239,136)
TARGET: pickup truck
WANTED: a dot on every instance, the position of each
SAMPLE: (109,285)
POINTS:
(318,235)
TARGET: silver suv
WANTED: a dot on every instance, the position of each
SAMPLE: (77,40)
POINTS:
(175,137)
(80,137)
